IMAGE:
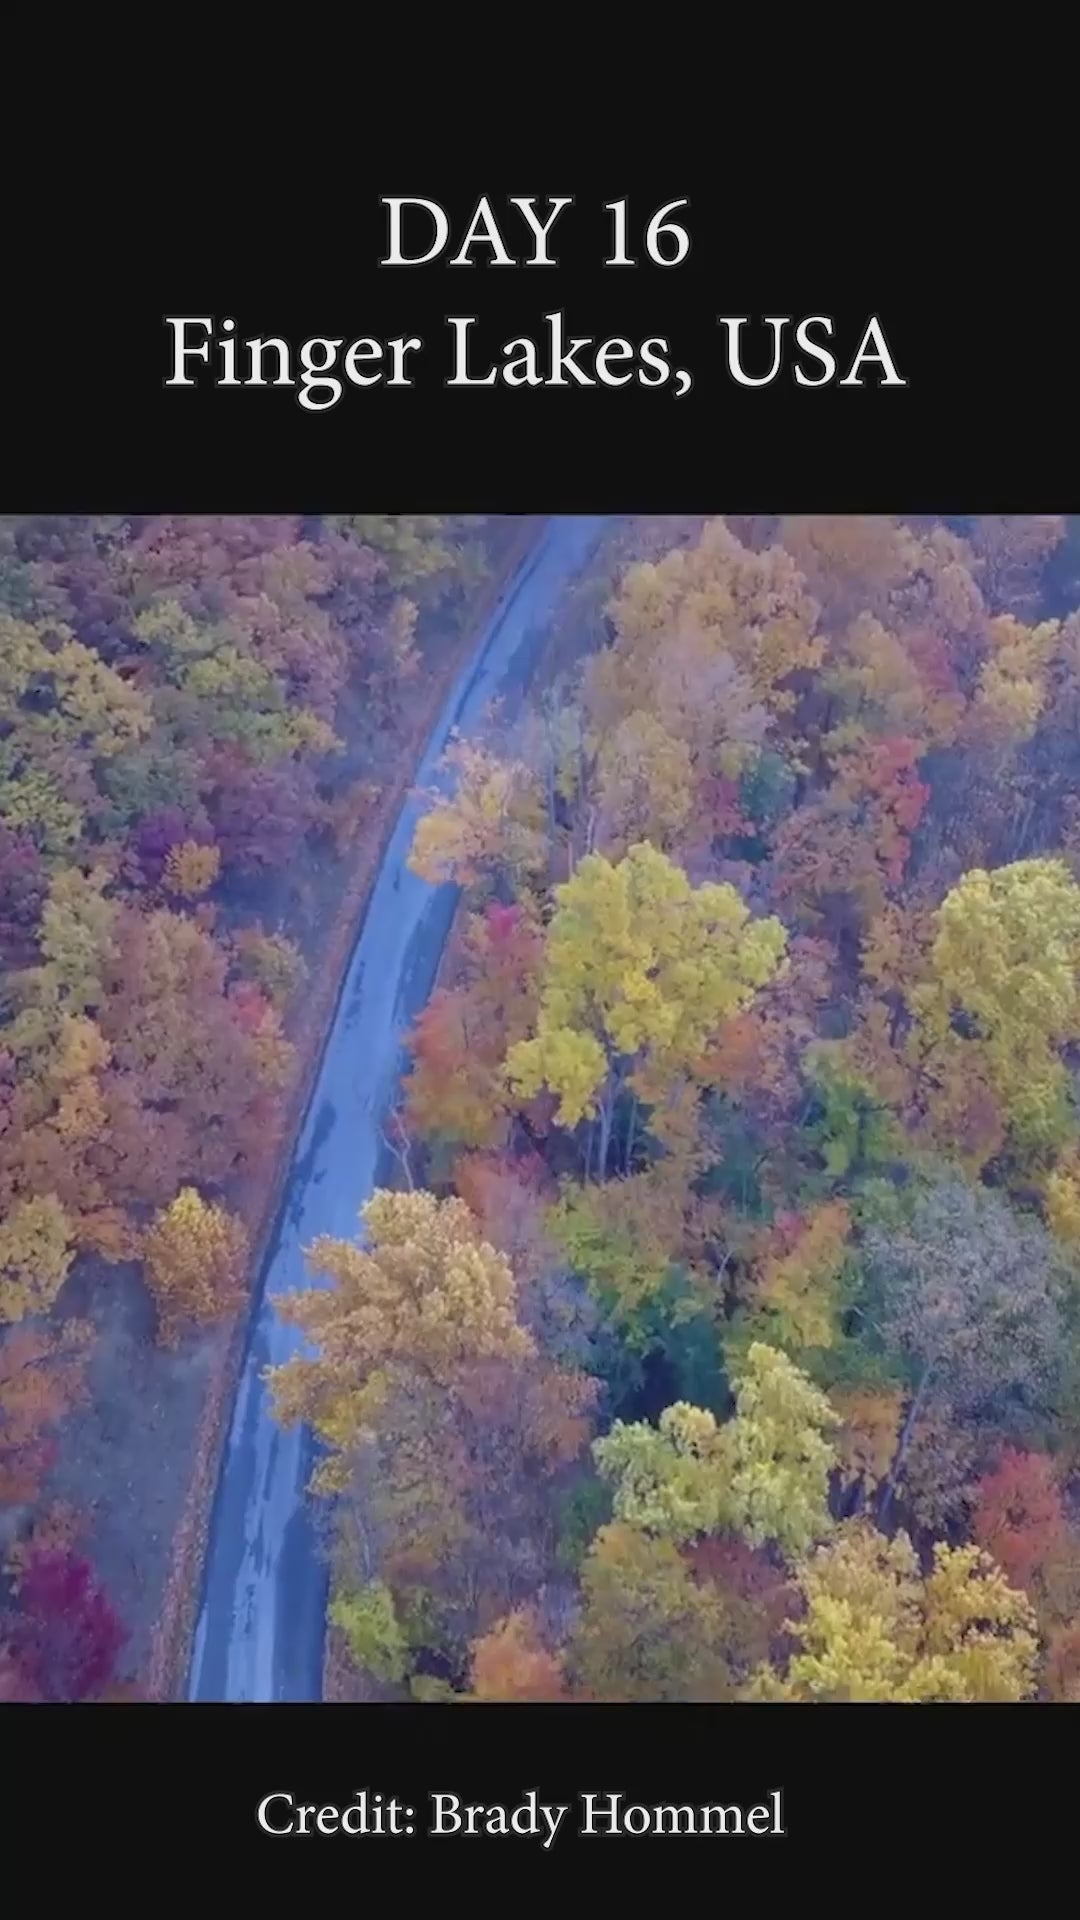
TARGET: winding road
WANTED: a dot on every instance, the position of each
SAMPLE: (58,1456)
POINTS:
(260,1630)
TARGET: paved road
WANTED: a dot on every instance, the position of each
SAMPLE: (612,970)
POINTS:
(260,1629)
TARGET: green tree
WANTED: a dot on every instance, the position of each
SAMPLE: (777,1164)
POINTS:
(375,1636)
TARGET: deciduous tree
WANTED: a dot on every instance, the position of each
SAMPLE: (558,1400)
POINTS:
(512,1662)
(796,1278)
(190,869)
(489,823)
(274,962)
(456,1091)
(623,1238)
(968,1295)
(648,1629)
(64,1635)
(35,1254)
(425,1294)
(754,607)
(873,1629)
(1018,1515)
(640,969)
(1005,983)
(367,1618)
(781,1457)
(644,786)
(764,1474)
(196,1255)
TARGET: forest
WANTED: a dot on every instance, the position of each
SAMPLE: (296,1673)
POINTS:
(718,1335)
(186,705)
(716,1332)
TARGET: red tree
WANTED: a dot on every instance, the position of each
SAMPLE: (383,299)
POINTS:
(1018,1516)
(259,813)
(65,1637)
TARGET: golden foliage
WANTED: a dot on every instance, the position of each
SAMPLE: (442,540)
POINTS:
(492,821)
(752,607)
(425,1294)
(1006,957)
(638,963)
(35,1254)
(866,1442)
(796,1273)
(196,1263)
(874,1629)
(191,869)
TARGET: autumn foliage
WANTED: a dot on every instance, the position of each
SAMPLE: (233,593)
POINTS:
(171,776)
(42,1375)
(196,1256)
(726,1340)
(755,1056)
(511,1662)
(65,1638)
(1018,1516)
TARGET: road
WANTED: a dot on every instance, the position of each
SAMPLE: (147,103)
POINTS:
(260,1630)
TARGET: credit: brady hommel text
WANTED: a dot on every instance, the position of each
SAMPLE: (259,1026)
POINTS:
(595,1816)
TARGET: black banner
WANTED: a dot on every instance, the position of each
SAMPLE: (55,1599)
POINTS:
(662,346)
(550,1795)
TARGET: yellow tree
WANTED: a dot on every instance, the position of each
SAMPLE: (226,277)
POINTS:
(673,1479)
(491,821)
(874,1629)
(367,1617)
(82,705)
(640,970)
(624,1237)
(35,1254)
(424,1296)
(77,941)
(884,690)
(648,1630)
(852,563)
(1012,687)
(1004,987)
(796,1278)
(752,607)
(781,1458)
(1061,1198)
(196,1255)
(191,869)
(681,709)
(765,1474)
